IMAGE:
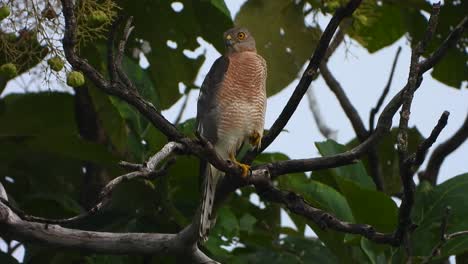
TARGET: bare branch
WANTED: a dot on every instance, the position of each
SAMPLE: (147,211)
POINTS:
(298,205)
(119,89)
(448,43)
(406,173)
(348,108)
(420,154)
(385,91)
(431,172)
(319,120)
(182,108)
(99,242)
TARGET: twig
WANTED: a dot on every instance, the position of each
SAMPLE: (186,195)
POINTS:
(448,43)
(421,152)
(348,108)
(444,237)
(431,172)
(385,91)
(183,107)
(120,53)
(319,120)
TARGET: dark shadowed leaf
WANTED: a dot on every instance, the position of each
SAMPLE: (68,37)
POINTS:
(7,259)
(429,210)
(388,157)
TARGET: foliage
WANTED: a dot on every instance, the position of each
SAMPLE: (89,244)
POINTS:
(58,149)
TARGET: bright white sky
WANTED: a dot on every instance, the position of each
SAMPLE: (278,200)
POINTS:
(363,77)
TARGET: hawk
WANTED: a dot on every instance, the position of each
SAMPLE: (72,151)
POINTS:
(230,111)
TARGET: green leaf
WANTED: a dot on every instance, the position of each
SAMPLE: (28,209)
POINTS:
(365,203)
(452,69)
(282,38)
(429,210)
(227,223)
(355,172)
(110,118)
(50,205)
(247,222)
(376,253)
(288,250)
(377,25)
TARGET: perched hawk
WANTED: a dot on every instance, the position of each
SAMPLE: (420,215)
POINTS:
(231,110)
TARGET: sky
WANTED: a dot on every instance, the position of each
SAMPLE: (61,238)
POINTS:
(363,77)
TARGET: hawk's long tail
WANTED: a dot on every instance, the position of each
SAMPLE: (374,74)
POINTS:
(207,220)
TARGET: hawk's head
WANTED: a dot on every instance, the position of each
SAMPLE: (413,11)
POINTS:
(239,39)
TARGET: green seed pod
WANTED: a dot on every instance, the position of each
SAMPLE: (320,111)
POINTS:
(75,79)
(97,18)
(56,63)
(8,70)
(4,12)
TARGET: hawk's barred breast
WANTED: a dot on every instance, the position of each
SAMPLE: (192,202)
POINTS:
(242,100)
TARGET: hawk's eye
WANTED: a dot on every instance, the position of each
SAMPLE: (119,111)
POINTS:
(241,35)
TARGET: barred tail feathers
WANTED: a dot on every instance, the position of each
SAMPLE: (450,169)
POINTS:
(211,178)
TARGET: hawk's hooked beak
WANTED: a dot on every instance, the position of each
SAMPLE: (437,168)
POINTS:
(228,40)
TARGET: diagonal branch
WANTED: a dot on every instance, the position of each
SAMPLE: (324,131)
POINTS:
(431,172)
(347,106)
(319,120)
(385,91)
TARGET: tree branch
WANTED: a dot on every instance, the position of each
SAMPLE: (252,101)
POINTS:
(296,204)
(431,172)
(406,173)
(115,88)
(444,237)
(385,91)
(348,108)
(319,120)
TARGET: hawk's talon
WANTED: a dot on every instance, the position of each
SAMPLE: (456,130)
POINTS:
(245,168)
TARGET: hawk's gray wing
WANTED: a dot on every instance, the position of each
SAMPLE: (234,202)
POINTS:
(207,100)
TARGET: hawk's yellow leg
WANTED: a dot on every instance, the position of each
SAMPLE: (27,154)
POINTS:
(255,140)
(245,168)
